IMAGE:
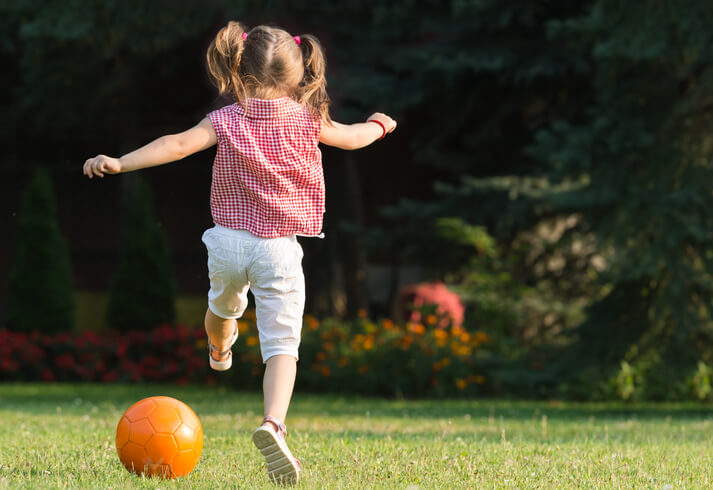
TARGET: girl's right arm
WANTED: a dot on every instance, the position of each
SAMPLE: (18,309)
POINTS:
(165,149)
(358,135)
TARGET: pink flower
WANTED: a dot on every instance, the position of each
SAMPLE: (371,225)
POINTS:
(413,298)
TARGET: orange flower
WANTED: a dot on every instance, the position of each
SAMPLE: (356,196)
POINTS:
(369,342)
(465,337)
(321,356)
(461,384)
(441,337)
(328,346)
(417,328)
(326,371)
(461,350)
(363,369)
(431,319)
(252,340)
(406,341)
(343,362)
(361,313)
(312,322)
(481,337)
(249,315)
(387,324)
(476,378)
(243,326)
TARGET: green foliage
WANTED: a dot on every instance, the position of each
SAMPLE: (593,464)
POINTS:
(143,292)
(643,157)
(40,286)
(701,381)
(615,165)
(94,60)
(628,382)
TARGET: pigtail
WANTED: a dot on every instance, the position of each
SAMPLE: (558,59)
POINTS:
(223,57)
(313,89)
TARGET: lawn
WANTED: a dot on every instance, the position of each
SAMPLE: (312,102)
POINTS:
(54,436)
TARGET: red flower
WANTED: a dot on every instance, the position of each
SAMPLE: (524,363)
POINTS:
(64,362)
(182,332)
(31,353)
(165,333)
(47,375)
(8,365)
(84,373)
(122,348)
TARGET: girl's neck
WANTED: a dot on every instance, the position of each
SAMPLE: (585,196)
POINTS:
(268,94)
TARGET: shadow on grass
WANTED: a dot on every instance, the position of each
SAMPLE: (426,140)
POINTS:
(69,398)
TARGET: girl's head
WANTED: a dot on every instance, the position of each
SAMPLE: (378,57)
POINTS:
(267,63)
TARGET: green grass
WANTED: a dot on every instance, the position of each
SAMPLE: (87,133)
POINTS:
(62,436)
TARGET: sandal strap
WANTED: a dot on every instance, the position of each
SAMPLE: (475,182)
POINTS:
(213,349)
(229,350)
(279,426)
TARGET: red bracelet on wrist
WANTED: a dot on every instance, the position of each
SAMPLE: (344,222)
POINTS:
(383,128)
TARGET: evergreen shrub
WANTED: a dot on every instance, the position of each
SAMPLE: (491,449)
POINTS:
(40,287)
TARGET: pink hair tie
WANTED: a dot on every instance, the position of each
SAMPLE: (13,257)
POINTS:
(245,35)
(297,40)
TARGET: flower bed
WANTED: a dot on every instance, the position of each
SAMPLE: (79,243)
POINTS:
(164,354)
(415,359)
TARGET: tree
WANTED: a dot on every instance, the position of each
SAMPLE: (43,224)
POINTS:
(638,168)
(143,292)
(623,170)
(40,289)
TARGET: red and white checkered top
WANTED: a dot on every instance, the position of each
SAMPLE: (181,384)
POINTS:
(267,173)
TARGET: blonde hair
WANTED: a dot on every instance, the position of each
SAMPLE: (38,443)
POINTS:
(267,62)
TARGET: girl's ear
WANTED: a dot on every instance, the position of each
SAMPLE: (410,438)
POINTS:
(314,84)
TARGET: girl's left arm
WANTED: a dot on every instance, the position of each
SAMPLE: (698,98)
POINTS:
(165,149)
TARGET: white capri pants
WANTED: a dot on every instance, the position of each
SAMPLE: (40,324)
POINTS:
(271,268)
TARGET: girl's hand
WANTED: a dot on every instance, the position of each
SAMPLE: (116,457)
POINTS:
(100,165)
(388,123)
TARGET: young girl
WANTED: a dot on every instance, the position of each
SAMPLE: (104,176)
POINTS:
(267,188)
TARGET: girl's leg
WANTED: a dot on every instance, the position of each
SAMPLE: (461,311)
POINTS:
(220,331)
(269,438)
(277,385)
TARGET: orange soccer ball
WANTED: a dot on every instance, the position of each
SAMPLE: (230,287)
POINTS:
(159,436)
